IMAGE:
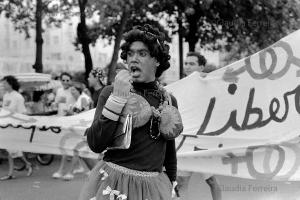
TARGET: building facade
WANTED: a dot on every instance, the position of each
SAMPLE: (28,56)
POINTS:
(17,54)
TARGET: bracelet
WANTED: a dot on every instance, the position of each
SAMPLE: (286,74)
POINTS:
(109,114)
(115,104)
(118,99)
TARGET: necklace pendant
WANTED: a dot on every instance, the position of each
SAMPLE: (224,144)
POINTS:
(154,127)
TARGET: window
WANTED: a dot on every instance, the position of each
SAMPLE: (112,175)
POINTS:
(56,56)
(55,39)
(15,44)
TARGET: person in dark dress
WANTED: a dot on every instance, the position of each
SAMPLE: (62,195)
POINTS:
(143,167)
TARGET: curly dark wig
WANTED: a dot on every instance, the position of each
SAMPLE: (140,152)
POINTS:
(12,81)
(154,40)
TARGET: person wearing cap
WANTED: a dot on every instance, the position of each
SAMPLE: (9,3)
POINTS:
(133,168)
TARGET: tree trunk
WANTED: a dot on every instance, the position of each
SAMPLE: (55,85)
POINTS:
(84,38)
(114,59)
(38,65)
(192,38)
(193,19)
(180,10)
(180,41)
(87,59)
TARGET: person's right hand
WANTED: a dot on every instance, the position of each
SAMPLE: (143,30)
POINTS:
(122,84)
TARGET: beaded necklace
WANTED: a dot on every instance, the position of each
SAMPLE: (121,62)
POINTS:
(160,93)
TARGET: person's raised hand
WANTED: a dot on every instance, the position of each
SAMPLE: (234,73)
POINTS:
(122,84)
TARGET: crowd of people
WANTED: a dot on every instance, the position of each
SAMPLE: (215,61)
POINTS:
(70,99)
(145,167)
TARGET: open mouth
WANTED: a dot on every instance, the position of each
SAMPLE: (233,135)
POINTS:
(134,68)
(135,71)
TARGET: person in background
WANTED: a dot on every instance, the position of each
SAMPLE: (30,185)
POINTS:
(96,81)
(48,99)
(38,105)
(196,62)
(14,102)
(88,93)
(83,103)
(64,99)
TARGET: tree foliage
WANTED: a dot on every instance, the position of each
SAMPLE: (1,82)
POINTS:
(22,13)
(242,26)
(239,27)
(27,15)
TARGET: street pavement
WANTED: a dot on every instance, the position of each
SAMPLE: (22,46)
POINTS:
(40,186)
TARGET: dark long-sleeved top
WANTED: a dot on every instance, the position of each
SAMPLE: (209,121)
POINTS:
(144,153)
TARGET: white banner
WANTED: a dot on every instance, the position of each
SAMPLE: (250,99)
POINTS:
(240,120)
(41,134)
(244,113)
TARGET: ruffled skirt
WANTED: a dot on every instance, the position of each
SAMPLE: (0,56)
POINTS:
(109,181)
